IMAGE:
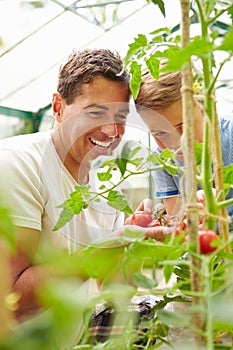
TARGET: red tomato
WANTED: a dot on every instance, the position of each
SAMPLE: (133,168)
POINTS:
(154,223)
(141,218)
(182,226)
(206,236)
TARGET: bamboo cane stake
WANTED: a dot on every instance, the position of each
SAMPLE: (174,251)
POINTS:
(189,156)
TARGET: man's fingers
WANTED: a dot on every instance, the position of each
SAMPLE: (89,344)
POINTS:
(158,233)
(145,205)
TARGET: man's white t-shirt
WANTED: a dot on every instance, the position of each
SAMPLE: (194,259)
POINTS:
(34,181)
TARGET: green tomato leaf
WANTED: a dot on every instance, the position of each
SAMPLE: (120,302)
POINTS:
(143,281)
(155,251)
(209,7)
(136,46)
(105,176)
(197,47)
(65,216)
(153,158)
(228,177)
(84,190)
(164,30)
(174,319)
(118,201)
(136,78)
(153,65)
(73,205)
(128,151)
(227,44)
(230,12)
(182,271)
(121,163)
(160,4)
(167,154)
(169,267)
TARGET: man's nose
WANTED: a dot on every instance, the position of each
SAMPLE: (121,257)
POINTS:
(109,129)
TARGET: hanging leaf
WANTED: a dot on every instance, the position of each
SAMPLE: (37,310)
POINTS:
(174,319)
(227,44)
(136,79)
(128,151)
(153,64)
(163,30)
(136,46)
(160,4)
(167,154)
(228,177)
(198,46)
(230,12)
(143,281)
(72,206)
(106,175)
(118,201)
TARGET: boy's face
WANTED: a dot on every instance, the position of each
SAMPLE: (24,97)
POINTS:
(166,125)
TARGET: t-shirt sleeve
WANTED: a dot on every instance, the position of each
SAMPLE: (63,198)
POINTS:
(20,189)
(165,184)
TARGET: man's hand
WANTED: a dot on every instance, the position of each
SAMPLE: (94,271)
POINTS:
(200,195)
(158,233)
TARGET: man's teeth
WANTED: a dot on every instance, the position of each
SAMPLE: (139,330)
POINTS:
(101,143)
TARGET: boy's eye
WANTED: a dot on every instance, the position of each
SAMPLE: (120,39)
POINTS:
(158,133)
(179,128)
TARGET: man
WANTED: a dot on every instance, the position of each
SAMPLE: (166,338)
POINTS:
(42,169)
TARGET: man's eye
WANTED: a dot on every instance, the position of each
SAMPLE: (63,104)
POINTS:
(121,117)
(95,113)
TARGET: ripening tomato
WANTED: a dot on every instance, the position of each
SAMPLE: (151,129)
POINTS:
(141,218)
(182,226)
(154,223)
(206,236)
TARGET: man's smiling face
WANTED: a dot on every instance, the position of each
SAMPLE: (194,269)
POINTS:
(93,124)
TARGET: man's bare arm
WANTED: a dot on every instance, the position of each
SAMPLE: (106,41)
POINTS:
(25,277)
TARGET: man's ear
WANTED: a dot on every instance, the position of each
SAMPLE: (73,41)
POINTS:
(57,104)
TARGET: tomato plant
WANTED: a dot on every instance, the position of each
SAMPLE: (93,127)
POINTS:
(206,237)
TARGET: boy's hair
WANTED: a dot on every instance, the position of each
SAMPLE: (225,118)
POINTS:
(159,94)
(83,66)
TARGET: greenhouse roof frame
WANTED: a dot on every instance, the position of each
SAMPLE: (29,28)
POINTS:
(46,31)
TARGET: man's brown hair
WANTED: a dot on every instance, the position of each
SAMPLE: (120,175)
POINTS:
(83,66)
